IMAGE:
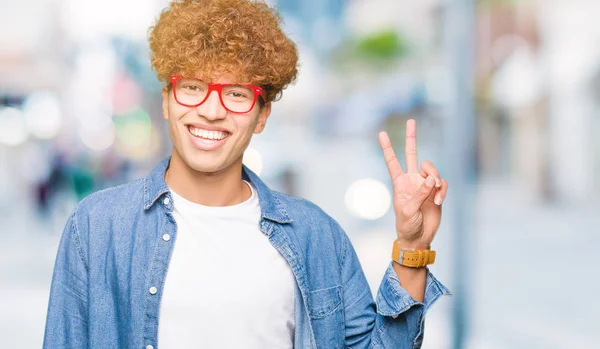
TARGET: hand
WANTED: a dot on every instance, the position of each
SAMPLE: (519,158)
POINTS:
(418,195)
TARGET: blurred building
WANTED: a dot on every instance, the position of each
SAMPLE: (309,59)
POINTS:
(536,63)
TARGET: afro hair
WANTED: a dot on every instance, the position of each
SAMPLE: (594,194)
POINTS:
(208,38)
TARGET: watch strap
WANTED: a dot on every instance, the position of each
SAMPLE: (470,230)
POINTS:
(412,258)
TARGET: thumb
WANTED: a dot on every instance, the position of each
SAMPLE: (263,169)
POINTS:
(424,191)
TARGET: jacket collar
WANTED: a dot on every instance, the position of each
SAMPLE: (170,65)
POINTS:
(271,206)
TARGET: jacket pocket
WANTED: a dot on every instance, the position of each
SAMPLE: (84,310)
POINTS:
(325,301)
(326,311)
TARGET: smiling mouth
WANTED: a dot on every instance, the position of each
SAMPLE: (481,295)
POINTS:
(207,135)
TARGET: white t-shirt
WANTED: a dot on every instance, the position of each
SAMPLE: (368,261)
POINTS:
(226,285)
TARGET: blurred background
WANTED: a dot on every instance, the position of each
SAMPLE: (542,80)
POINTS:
(506,95)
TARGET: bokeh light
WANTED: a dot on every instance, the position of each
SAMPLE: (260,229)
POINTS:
(85,19)
(368,199)
(98,138)
(13,130)
(253,159)
(43,115)
(133,132)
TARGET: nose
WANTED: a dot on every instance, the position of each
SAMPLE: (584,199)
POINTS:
(212,109)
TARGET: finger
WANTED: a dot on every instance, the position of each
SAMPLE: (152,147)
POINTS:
(441,194)
(414,204)
(431,197)
(389,155)
(410,150)
(428,168)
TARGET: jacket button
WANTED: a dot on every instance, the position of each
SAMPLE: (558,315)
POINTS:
(149,346)
(153,290)
(166,201)
(166,237)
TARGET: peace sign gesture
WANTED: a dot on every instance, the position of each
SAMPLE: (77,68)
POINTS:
(418,194)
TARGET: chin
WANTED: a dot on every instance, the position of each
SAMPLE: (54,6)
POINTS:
(206,164)
(214,161)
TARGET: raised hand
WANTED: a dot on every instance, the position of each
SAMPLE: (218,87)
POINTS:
(418,194)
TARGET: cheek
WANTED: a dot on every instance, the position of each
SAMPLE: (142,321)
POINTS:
(173,132)
(176,128)
(176,113)
(249,121)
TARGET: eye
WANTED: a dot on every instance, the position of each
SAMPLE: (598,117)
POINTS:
(192,87)
(238,92)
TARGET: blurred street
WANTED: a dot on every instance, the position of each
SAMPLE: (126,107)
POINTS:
(536,281)
(534,269)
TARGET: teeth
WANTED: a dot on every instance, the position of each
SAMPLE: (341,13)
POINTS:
(216,135)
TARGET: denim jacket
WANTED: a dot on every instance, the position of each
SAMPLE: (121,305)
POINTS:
(114,255)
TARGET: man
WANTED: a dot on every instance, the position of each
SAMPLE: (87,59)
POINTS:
(201,253)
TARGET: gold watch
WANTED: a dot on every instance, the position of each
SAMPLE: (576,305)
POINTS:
(412,258)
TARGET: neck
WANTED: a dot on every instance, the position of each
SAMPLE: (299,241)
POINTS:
(221,188)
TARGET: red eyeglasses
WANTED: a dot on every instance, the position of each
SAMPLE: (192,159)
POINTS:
(236,98)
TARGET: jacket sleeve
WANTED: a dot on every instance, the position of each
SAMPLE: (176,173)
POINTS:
(67,318)
(395,320)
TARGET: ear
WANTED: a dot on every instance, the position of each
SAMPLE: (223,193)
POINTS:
(263,115)
(165,102)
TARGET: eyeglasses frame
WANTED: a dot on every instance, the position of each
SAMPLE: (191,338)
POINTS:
(216,87)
